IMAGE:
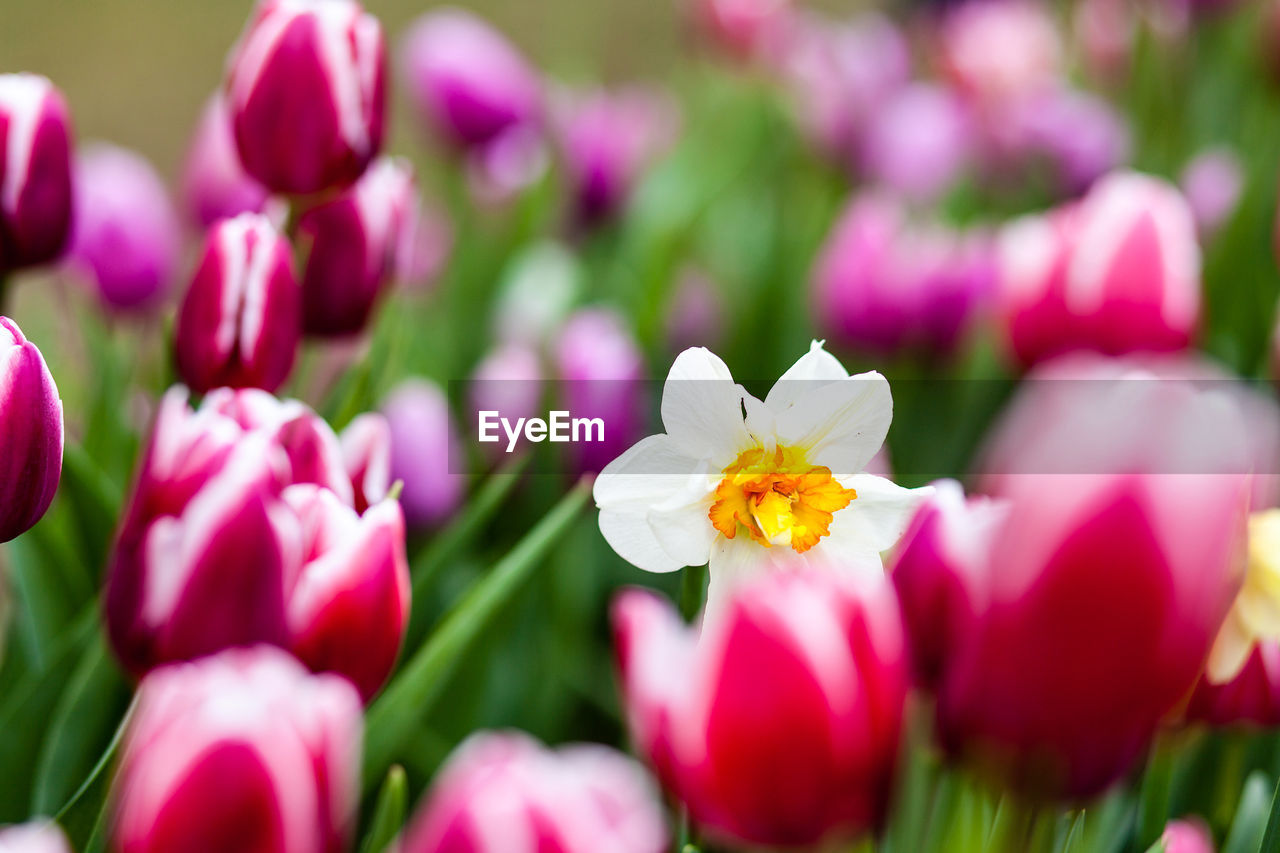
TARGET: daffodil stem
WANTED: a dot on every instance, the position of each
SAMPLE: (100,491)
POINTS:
(692,592)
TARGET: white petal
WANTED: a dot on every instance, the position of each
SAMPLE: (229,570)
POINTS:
(702,407)
(632,537)
(733,562)
(650,473)
(815,368)
(842,424)
(876,519)
(683,526)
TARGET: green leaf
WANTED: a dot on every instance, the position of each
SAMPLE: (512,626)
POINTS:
(94,501)
(1271,839)
(48,597)
(1250,823)
(389,813)
(84,817)
(82,724)
(1153,798)
(408,699)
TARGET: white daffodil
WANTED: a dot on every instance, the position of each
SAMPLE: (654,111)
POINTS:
(746,485)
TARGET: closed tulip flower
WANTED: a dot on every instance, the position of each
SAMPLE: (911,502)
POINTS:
(348,610)
(780,726)
(35,173)
(214,183)
(31,433)
(1186,836)
(1107,582)
(425,452)
(245,750)
(354,247)
(126,236)
(467,80)
(33,838)
(503,792)
(601,371)
(366,455)
(239,323)
(307,94)
(1118,272)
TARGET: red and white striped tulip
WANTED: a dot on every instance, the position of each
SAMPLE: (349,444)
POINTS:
(245,750)
(780,726)
(366,455)
(1118,272)
(240,321)
(35,171)
(502,792)
(307,93)
(31,433)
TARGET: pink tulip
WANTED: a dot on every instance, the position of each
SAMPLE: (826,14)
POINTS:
(355,243)
(214,183)
(1251,698)
(33,838)
(1213,183)
(349,608)
(918,143)
(1118,272)
(31,433)
(998,52)
(502,792)
(366,455)
(126,237)
(499,172)
(307,94)
(780,726)
(883,284)
(242,751)
(467,80)
(426,452)
(1106,584)
(743,28)
(939,572)
(35,171)
(1187,836)
(239,323)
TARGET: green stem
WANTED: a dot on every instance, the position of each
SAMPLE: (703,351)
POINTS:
(692,592)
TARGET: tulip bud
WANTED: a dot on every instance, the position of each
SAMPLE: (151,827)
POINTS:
(348,611)
(425,450)
(307,94)
(366,455)
(30,433)
(608,139)
(938,572)
(780,726)
(1212,183)
(35,172)
(355,243)
(1118,272)
(214,183)
(242,751)
(1186,836)
(601,372)
(467,80)
(883,285)
(239,321)
(503,792)
(1107,582)
(1252,697)
(33,838)
(918,142)
(126,236)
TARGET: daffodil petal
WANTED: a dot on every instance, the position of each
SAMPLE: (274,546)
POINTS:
(631,536)
(682,524)
(840,425)
(702,407)
(652,471)
(815,368)
(1230,651)
(876,519)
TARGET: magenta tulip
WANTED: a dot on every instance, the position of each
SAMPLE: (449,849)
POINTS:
(31,433)
(126,237)
(355,246)
(1118,272)
(242,751)
(239,323)
(468,81)
(366,455)
(426,452)
(307,94)
(780,726)
(35,171)
(214,183)
(1186,836)
(1251,698)
(503,792)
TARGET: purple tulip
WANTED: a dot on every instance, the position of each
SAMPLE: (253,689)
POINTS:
(601,373)
(307,94)
(30,433)
(33,838)
(509,380)
(608,138)
(499,172)
(35,171)
(242,751)
(356,244)
(918,142)
(239,323)
(468,81)
(214,183)
(883,284)
(126,237)
(1213,183)
(426,452)
(696,313)
(1080,136)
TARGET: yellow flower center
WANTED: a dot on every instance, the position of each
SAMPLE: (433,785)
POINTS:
(778,499)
